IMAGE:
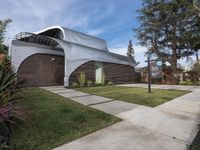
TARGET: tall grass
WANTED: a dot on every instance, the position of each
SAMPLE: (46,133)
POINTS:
(82,79)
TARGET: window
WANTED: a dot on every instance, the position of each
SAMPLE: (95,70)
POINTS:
(99,72)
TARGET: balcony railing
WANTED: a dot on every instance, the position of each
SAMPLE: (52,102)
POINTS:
(36,38)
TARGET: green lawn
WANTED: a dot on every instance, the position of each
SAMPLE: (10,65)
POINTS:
(57,120)
(134,95)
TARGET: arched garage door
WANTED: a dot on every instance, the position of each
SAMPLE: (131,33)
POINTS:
(42,70)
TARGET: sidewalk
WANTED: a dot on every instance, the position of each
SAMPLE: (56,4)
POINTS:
(162,86)
(170,126)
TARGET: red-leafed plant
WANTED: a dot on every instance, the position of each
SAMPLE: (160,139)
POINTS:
(11,113)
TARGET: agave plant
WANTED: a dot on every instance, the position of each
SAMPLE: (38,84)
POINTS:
(10,112)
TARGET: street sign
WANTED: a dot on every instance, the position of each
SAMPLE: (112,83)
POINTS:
(159,63)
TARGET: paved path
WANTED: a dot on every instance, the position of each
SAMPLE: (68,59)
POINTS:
(161,86)
(170,126)
(110,106)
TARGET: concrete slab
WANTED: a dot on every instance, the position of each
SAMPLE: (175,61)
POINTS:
(125,136)
(60,91)
(73,94)
(56,89)
(178,125)
(51,87)
(188,106)
(91,99)
(115,107)
(189,103)
(193,96)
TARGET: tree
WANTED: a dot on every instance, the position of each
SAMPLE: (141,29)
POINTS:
(166,29)
(195,40)
(3,25)
(131,53)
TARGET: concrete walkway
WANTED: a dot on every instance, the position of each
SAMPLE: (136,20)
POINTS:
(161,86)
(170,126)
(110,106)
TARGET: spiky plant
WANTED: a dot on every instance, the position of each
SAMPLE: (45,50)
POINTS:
(11,114)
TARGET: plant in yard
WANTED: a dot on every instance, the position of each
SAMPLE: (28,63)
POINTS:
(110,83)
(89,83)
(193,75)
(97,83)
(103,79)
(74,85)
(187,82)
(11,114)
(82,79)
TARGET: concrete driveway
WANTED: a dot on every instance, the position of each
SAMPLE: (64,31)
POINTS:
(170,126)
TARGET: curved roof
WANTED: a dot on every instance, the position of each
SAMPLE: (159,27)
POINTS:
(75,37)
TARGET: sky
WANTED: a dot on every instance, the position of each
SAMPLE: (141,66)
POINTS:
(111,20)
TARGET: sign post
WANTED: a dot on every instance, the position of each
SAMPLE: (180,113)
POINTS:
(149,73)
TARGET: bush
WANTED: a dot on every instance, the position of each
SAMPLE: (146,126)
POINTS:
(82,79)
(103,79)
(110,83)
(97,83)
(89,83)
(74,85)
(187,82)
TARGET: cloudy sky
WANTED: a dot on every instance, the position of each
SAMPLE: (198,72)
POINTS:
(111,20)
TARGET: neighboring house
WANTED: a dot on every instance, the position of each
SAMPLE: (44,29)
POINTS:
(57,55)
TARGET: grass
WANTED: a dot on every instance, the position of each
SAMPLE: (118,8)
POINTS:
(134,95)
(57,120)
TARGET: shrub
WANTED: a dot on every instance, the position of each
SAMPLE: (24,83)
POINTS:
(82,79)
(187,82)
(103,79)
(97,83)
(75,85)
(89,83)
(11,114)
(110,83)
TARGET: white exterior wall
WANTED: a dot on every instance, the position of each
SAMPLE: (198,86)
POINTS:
(79,38)
(76,55)
(22,50)
(83,39)
(77,48)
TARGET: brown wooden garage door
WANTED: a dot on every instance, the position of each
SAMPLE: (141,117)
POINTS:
(42,70)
